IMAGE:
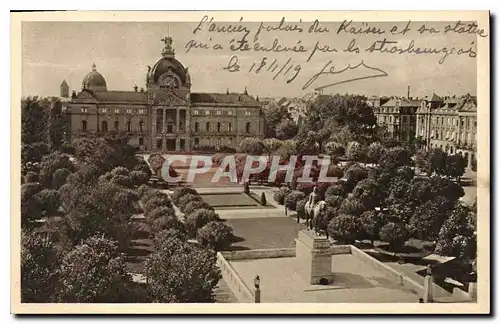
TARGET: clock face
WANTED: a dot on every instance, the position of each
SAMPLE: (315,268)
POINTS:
(169,81)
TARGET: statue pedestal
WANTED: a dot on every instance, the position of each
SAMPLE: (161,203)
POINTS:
(314,258)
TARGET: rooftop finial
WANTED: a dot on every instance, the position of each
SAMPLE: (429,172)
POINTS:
(168,49)
(246,92)
(93,67)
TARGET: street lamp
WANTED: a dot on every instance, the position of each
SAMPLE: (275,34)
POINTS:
(256,282)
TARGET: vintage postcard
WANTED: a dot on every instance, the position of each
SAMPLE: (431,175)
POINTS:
(250,162)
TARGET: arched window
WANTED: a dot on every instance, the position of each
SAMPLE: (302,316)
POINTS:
(104,126)
(218,127)
(196,127)
(117,125)
(208,127)
(229,127)
(84,125)
(247,127)
(141,125)
(129,126)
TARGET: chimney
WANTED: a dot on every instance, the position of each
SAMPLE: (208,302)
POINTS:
(135,88)
(227,90)
(142,89)
(408,95)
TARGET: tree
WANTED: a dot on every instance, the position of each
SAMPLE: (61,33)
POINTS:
(180,192)
(216,235)
(50,163)
(180,272)
(93,272)
(334,148)
(31,208)
(396,234)
(196,204)
(138,178)
(422,160)
(251,146)
(272,145)
(437,161)
(334,201)
(457,235)
(198,219)
(301,208)
(39,268)
(353,175)
(344,228)
(335,190)
(375,152)
(352,206)
(371,222)
(57,126)
(156,199)
(273,115)
(427,220)
(355,152)
(30,177)
(287,149)
(280,194)
(34,120)
(48,201)
(33,153)
(292,198)
(286,129)
(368,193)
(59,177)
(183,201)
(455,166)
(394,158)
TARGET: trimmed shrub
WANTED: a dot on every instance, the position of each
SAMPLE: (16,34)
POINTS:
(215,235)
(280,195)
(292,198)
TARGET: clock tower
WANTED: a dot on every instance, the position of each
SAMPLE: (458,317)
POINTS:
(168,92)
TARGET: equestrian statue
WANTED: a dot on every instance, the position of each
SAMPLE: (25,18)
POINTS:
(315,210)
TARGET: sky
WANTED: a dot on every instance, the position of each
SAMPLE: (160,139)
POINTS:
(57,51)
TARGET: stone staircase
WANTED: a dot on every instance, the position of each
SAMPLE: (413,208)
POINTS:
(223,293)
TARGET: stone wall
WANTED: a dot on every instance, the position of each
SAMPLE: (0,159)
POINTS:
(242,293)
(388,271)
(259,254)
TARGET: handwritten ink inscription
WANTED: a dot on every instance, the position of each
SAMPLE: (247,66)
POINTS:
(310,51)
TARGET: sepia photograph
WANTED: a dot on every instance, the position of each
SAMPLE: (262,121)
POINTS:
(236,162)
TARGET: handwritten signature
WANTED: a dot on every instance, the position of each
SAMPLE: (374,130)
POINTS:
(330,69)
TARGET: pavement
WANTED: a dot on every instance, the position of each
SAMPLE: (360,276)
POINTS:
(354,282)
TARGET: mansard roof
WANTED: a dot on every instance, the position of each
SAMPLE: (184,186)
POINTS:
(224,98)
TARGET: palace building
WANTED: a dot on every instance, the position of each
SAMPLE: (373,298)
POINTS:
(448,123)
(166,116)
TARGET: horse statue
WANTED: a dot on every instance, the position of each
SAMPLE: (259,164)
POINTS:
(309,208)
(318,221)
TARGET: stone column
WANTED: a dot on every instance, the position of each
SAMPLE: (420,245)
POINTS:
(177,120)
(177,144)
(428,295)
(164,120)
(257,295)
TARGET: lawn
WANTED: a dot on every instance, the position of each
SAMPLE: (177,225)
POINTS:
(228,199)
(264,233)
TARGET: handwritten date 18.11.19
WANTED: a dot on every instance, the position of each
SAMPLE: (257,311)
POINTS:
(289,70)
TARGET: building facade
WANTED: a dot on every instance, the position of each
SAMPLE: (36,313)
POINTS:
(166,116)
(448,123)
(397,116)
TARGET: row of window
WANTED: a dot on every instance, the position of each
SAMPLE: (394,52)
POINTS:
(104,126)
(228,127)
(440,135)
(215,142)
(116,111)
(219,113)
(451,121)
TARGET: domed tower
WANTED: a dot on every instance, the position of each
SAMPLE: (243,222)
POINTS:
(94,81)
(168,73)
